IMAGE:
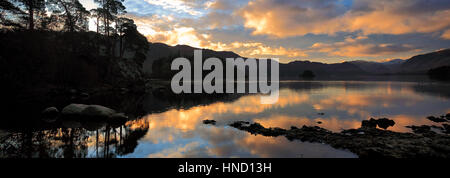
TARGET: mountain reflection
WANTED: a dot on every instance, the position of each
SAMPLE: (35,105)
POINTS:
(176,130)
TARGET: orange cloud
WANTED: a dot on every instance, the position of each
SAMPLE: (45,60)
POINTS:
(446,35)
(298,18)
(356,47)
(157,29)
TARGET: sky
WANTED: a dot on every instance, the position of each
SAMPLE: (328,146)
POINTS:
(328,31)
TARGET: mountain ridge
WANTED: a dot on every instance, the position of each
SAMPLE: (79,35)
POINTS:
(418,64)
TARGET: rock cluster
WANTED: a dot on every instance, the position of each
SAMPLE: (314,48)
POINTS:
(367,141)
(82,112)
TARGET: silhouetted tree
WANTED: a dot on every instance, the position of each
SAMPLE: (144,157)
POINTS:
(110,10)
(75,15)
(97,14)
(32,8)
(8,13)
(123,26)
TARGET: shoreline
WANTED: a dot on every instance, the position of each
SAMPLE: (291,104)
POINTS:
(367,141)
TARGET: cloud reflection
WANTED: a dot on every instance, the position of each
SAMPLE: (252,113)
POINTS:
(345,105)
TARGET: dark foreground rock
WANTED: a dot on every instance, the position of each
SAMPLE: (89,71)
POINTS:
(94,111)
(420,129)
(437,119)
(383,123)
(50,114)
(212,122)
(366,141)
(74,114)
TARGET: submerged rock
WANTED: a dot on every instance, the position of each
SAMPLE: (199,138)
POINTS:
(239,124)
(420,129)
(437,119)
(212,122)
(446,128)
(367,141)
(383,123)
(371,123)
(257,128)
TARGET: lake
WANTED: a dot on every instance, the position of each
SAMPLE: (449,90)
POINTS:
(171,127)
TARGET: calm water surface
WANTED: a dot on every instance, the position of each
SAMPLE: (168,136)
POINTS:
(174,128)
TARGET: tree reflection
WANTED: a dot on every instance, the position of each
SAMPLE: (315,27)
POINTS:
(105,142)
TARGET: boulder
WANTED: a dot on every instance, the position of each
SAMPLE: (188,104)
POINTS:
(384,123)
(212,122)
(74,109)
(420,129)
(51,110)
(436,119)
(446,128)
(50,114)
(372,123)
(98,111)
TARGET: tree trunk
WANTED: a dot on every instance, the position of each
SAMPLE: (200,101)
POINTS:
(105,23)
(69,17)
(30,15)
(98,22)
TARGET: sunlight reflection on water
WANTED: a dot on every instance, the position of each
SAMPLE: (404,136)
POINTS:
(179,132)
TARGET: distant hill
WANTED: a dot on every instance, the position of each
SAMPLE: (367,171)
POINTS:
(422,63)
(294,69)
(161,50)
(372,67)
(416,65)
(419,64)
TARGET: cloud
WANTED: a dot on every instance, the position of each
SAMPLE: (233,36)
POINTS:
(257,49)
(446,35)
(213,20)
(166,29)
(89,4)
(359,47)
(175,152)
(280,28)
(220,4)
(185,6)
(285,18)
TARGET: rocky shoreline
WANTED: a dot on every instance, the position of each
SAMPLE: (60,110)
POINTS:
(367,141)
